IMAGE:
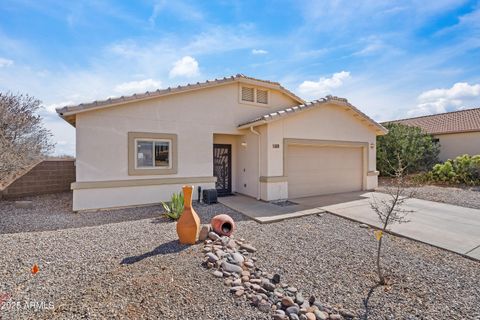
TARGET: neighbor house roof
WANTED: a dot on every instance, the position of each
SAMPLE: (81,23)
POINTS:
(68,112)
(449,122)
(273,116)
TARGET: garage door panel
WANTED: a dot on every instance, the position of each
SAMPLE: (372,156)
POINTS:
(313,170)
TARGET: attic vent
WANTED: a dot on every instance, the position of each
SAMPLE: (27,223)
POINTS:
(248,94)
(262,96)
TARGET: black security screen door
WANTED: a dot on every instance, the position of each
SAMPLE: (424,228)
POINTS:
(222,168)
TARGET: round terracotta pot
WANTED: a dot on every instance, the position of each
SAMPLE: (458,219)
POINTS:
(223,225)
(188,225)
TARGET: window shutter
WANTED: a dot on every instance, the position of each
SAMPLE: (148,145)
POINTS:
(262,96)
(248,94)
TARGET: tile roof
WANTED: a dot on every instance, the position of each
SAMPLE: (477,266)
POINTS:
(449,122)
(67,111)
(307,106)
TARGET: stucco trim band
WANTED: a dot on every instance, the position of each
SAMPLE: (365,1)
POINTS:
(273,179)
(139,182)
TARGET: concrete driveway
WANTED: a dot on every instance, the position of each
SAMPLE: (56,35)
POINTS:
(443,225)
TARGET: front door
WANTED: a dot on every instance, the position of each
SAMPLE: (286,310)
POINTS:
(222,168)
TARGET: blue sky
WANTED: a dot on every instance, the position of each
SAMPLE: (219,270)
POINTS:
(392,60)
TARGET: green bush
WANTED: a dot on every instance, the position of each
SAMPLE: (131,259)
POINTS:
(174,208)
(406,147)
(461,170)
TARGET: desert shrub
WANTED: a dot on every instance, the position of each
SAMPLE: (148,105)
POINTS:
(174,208)
(463,169)
(417,150)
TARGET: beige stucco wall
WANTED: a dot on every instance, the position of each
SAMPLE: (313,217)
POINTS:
(247,169)
(99,198)
(193,116)
(453,145)
(328,122)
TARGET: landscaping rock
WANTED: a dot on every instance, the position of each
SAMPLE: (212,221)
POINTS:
(247,247)
(267,285)
(276,278)
(292,309)
(346,313)
(292,289)
(236,288)
(203,234)
(218,274)
(321,315)
(310,316)
(239,293)
(294,316)
(229,267)
(237,258)
(287,302)
(213,236)
(299,298)
(211,257)
(264,306)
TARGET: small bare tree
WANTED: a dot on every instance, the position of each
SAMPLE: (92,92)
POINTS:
(389,210)
(23,139)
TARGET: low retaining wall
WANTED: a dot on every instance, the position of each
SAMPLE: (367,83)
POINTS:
(48,176)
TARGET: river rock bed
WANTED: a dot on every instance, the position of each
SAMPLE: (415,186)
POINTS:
(234,260)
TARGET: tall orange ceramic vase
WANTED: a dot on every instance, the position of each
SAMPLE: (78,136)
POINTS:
(188,225)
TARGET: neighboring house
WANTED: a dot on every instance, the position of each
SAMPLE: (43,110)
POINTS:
(236,134)
(458,132)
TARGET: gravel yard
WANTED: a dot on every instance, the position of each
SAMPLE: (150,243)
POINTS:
(464,197)
(54,211)
(136,269)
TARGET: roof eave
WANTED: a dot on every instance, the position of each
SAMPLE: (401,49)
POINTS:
(71,110)
(379,129)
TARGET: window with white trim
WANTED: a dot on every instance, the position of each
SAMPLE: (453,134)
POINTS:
(153,153)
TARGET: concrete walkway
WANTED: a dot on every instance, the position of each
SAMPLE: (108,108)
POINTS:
(265,212)
(443,225)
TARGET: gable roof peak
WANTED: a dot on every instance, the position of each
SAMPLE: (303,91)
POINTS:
(272,116)
(68,112)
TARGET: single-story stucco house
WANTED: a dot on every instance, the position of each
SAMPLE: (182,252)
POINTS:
(458,132)
(237,134)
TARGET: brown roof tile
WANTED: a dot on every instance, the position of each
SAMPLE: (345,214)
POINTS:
(449,122)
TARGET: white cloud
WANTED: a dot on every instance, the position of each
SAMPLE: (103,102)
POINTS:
(138,86)
(5,62)
(446,99)
(185,67)
(259,51)
(324,85)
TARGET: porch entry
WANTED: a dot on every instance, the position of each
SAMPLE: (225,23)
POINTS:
(222,168)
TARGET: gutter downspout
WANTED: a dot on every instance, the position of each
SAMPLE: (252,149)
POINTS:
(259,162)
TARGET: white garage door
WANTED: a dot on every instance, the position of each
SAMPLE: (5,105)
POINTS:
(314,170)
